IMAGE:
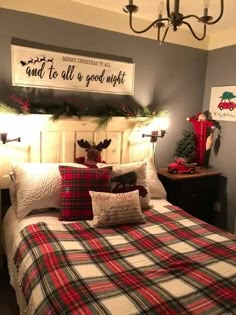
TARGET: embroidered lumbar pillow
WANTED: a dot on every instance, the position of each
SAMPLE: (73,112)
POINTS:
(114,209)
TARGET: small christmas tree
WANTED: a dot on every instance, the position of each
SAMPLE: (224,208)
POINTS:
(186,146)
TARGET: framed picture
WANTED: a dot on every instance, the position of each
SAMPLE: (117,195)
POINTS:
(55,70)
(223,103)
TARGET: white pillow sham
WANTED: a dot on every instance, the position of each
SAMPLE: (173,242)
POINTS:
(156,187)
(115,209)
(36,186)
(140,169)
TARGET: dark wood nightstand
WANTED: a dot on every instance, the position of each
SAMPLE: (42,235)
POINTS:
(195,193)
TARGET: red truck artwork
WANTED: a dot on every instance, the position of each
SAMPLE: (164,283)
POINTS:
(227,105)
(226,101)
(180,166)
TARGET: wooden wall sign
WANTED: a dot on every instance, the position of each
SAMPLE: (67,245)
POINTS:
(47,69)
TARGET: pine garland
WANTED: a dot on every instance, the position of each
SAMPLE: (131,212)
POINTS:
(71,108)
(4,108)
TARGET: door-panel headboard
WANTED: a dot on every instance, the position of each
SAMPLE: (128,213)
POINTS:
(44,140)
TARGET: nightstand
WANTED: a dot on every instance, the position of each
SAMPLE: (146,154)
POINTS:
(195,193)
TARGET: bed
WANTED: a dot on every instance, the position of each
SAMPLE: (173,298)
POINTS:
(172,263)
(136,253)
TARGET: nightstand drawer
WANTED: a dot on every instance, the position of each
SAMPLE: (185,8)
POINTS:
(195,194)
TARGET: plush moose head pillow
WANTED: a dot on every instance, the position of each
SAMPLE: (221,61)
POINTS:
(93,152)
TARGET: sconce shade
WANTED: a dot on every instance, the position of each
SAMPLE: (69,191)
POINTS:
(4,139)
(154,135)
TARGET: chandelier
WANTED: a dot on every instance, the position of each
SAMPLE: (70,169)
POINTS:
(174,19)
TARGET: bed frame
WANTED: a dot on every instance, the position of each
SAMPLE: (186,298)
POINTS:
(46,141)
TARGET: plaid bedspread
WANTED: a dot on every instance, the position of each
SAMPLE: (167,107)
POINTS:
(173,264)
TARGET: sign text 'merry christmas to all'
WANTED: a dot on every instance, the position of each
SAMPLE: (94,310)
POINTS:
(47,69)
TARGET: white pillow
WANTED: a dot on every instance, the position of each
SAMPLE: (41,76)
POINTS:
(156,187)
(114,209)
(37,186)
(128,183)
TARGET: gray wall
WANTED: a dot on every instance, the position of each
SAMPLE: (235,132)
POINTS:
(168,77)
(221,72)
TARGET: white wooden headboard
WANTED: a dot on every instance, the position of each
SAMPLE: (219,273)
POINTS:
(44,140)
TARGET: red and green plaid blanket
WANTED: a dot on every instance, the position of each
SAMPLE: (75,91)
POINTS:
(173,264)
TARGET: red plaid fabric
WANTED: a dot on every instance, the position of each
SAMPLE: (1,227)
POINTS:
(173,264)
(75,202)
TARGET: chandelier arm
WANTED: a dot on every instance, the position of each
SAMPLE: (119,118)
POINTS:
(164,36)
(148,27)
(174,19)
(201,19)
(192,16)
(159,35)
(168,8)
(220,15)
(194,34)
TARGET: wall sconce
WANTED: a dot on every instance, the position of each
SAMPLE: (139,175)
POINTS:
(3,138)
(154,135)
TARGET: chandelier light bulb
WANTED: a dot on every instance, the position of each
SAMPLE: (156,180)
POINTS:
(161,8)
(206,4)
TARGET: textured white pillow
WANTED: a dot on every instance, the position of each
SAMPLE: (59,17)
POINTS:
(140,168)
(37,186)
(114,209)
(156,187)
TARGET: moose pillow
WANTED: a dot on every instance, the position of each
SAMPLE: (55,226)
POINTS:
(93,152)
(129,177)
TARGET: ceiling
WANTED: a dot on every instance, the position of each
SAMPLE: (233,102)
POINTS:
(108,14)
(148,10)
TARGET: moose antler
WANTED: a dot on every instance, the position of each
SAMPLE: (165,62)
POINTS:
(103,144)
(84,144)
(94,151)
(100,146)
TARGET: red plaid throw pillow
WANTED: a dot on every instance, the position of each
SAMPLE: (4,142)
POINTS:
(75,201)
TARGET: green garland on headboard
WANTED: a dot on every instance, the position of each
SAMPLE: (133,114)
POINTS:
(71,109)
